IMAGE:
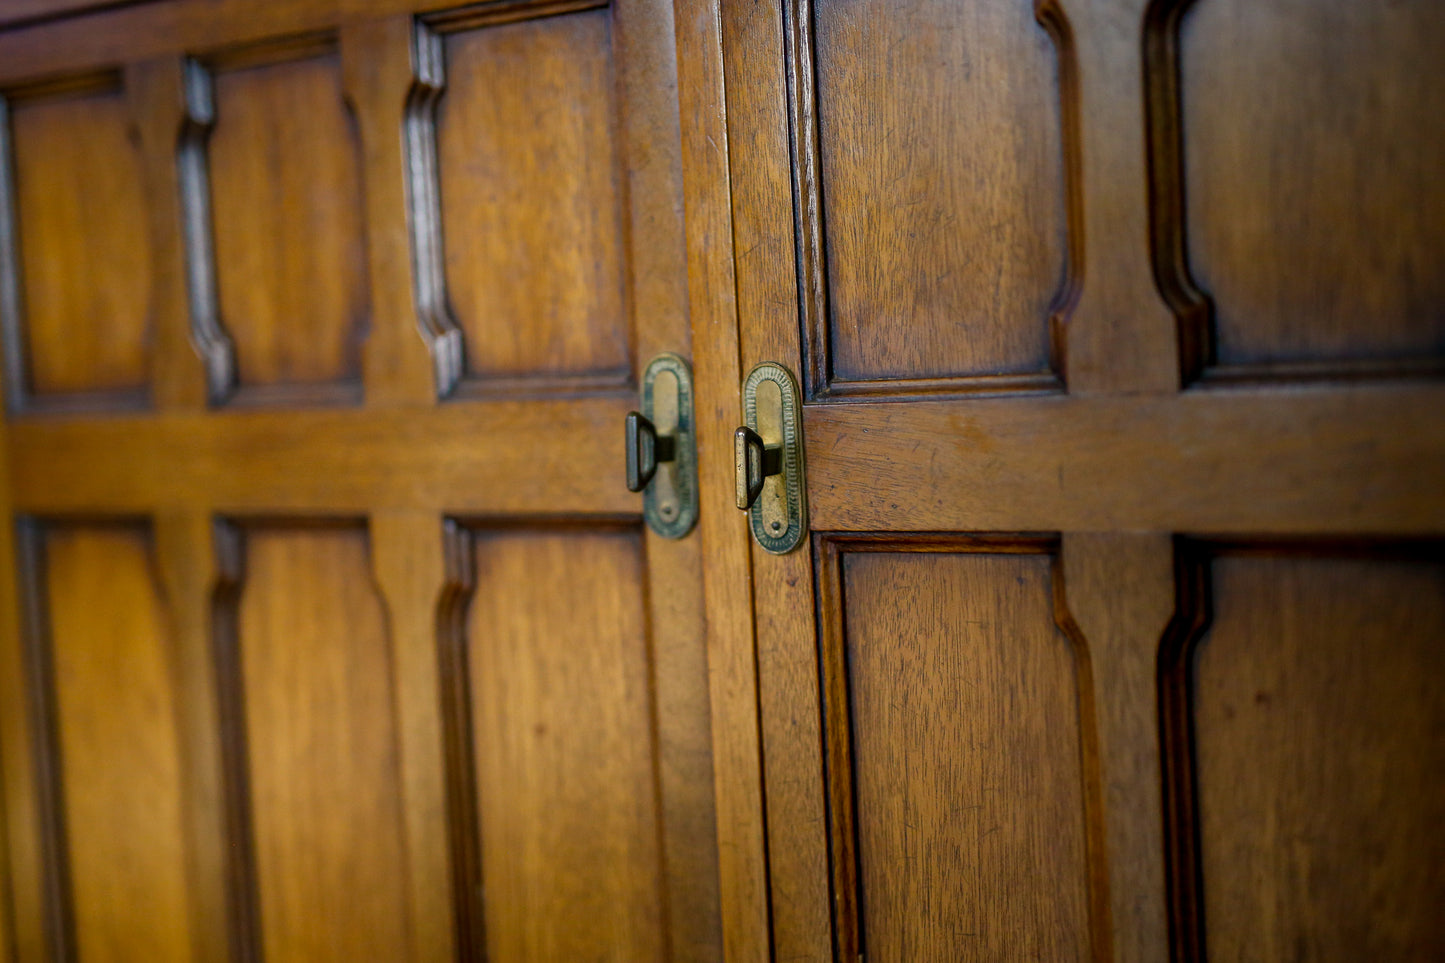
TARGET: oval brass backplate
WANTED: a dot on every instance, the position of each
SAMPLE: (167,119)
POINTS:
(669,504)
(773,408)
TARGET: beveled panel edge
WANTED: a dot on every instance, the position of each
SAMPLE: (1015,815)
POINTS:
(1194,308)
(463,832)
(208,328)
(242,887)
(19,398)
(818,384)
(836,723)
(208,332)
(437,320)
(36,641)
(438,324)
(1194,556)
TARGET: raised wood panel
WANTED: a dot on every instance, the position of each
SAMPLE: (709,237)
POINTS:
(287,221)
(944,198)
(1319,739)
(75,264)
(968,789)
(1311,155)
(114,712)
(532,196)
(552,649)
(321,779)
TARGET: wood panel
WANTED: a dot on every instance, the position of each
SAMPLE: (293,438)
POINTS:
(105,643)
(944,198)
(558,715)
(1319,738)
(75,265)
(287,220)
(1310,155)
(957,739)
(321,779)
(529,160)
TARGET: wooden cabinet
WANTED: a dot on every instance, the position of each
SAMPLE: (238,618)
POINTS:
(329,630)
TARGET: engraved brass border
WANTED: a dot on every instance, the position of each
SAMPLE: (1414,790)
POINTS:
(783,494)
(669,505)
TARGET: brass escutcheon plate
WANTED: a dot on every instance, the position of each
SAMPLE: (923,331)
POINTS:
(773,408)
(669,505)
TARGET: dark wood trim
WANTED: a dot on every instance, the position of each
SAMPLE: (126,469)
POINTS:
(37,640)
(464,831)
(242,892)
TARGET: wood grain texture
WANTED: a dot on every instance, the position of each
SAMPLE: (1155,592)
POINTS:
(187,572)
(379,63)
(407,564)
(1317,723)
(155,89)
(732,665)
(23,862)
(1365,460)
(321,731)
(1119,594)
(290,246)
(944,197)
(117,721)
(964,717)
(1311,152)
(562,731)
(533,200)
(463,457)
(81,321)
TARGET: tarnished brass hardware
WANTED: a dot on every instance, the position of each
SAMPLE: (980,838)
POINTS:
(768,452)
(755,462)
(661,448)
(644,450)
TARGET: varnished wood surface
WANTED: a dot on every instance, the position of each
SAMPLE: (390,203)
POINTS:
(1315,224)
(1318,726)
(962,697)
(290,245)
(561,712)
(1367,460)
(943,191)
(116,712)
(314,266)
(457,458)
(321,741)
(79,208)
(535,200)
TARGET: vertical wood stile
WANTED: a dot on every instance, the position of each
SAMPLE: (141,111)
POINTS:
(379,59)
(1121,337)
(23,863)
(408,564)
(156,91)
(732,662)
(1119,592)
(186,561)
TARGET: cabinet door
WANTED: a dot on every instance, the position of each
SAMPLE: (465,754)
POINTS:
(1119,329)
(330,630)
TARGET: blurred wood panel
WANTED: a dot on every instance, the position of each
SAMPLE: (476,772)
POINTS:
(562,731)
(321,737)
(116,717)
(1319,733)
(531,186)
(83,262)
(1314,220)
(290,244)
